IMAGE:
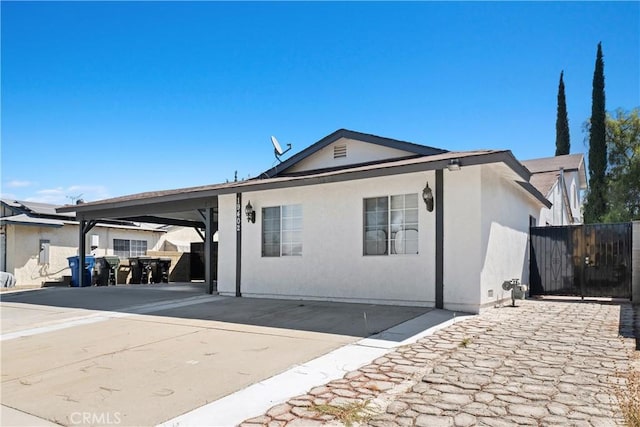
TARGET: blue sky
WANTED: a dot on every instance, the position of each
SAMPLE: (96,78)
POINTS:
(110,98)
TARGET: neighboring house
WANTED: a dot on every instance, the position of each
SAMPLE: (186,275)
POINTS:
(35,241)
(562,179)
(361,218)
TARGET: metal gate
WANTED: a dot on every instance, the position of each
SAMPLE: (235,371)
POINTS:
(592,260)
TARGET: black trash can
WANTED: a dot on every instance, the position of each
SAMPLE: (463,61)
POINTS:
(140,269)
(101,272)
(160,270)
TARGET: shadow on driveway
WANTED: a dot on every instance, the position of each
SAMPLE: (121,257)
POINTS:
(189,301)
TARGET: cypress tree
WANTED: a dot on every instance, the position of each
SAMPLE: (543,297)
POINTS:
(596,206)
(562,122)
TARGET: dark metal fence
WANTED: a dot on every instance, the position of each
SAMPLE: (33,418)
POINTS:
(592,260)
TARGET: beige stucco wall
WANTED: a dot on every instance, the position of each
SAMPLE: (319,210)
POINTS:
(106,235)
(178,239)
(23,249)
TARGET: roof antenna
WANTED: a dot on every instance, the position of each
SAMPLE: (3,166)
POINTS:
(76,200)
(277,149)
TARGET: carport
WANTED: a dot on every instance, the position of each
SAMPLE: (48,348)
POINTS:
(195,207)
(191,207)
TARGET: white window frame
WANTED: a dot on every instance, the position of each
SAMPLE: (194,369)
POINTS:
(281,232)
(391,225)
(135,248)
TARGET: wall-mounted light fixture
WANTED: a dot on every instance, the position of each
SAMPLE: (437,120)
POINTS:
(454,165)
(251,214)
(427,196)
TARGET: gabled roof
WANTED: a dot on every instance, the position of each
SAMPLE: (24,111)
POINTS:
(410,147)
(545,168)
(567,162)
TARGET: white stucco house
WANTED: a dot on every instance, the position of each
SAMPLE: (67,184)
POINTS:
(361,218)
(35,241)
(562,179)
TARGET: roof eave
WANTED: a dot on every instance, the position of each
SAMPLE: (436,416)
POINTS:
(206,197)
(533,191)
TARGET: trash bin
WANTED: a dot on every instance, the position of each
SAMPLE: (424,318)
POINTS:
(101,272)
(74,264)
(114,263)
(160,270)
(140,269)
(105,270)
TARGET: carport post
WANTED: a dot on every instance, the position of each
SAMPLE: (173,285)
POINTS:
(439,240)
(82,247)
(238,243)
(84,226)
(210,228)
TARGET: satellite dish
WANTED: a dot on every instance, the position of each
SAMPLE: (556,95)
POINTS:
(277,149)
(276,146)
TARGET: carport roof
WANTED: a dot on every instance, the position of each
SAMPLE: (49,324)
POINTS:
(203,194)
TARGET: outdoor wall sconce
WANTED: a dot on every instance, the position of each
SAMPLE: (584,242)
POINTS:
(454,165)
(251,214)
(427,196)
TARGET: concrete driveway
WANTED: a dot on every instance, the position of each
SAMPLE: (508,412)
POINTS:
(136,355)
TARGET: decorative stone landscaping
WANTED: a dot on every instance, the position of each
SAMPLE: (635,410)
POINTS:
(541,363)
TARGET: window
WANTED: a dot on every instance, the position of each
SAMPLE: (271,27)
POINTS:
(391,225)
(282,231)
(128,248)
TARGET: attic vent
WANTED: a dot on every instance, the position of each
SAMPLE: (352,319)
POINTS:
(339,151)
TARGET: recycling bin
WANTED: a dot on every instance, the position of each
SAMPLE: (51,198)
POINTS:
(140,269)
(160,270)
(74,264)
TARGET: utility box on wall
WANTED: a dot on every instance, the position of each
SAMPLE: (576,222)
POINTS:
(43,254)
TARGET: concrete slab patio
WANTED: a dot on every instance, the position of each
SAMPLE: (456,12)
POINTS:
(141,356)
